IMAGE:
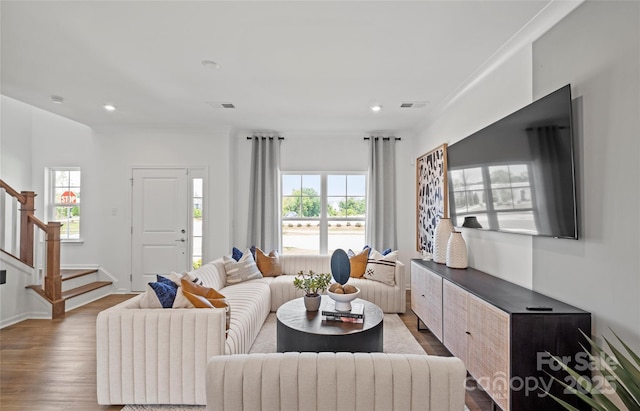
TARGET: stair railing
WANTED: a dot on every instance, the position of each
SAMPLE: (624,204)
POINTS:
(26,236)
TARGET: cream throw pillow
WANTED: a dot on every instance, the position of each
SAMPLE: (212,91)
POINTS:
(243,270)
(382,268)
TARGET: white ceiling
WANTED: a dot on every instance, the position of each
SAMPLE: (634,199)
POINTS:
(293,66)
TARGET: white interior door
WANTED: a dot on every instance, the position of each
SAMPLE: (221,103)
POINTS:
(159,224)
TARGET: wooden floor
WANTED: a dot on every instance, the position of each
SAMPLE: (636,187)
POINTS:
(50,365)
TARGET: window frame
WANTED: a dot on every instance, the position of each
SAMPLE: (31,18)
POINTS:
(50,206)
(324,217)
(198,173)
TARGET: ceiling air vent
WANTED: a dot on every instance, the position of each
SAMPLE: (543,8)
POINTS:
(217,104)
(414,104)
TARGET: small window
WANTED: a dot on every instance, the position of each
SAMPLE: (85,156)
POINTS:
(196,222)
(64,196)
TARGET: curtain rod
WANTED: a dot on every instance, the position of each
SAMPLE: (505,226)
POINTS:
(264,138)
(384,138)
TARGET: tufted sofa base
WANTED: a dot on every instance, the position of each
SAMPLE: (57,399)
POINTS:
(335,381)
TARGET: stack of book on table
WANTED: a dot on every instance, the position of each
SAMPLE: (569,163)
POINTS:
(356,315)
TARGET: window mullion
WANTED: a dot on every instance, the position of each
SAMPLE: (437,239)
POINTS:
(324,231)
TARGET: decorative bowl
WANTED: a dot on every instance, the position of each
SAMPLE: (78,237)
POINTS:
(343,301)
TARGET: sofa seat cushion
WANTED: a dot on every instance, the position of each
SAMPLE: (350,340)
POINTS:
(249,305)
(282,290)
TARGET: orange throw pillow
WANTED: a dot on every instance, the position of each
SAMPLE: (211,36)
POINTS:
(196,289)
(359,263)
(206,297)
(269,265)
(198,301)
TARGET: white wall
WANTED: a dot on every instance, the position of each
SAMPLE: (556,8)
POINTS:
(33,139)
(502,91)
(597,50)
(15,143)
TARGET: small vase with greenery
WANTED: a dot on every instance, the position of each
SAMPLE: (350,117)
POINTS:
(313,284)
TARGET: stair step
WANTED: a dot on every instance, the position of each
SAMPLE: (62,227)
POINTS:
(74,292)
(69,274)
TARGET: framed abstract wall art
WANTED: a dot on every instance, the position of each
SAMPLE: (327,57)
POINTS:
(432,198)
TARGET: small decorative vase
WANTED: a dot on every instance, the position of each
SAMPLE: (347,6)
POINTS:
(312,302)
(440,238)
(457,251)
(471,222)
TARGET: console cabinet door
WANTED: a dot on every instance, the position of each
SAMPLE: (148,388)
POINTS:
(418,299)
(433,295)
(427,297)
(488,348)
(454,319)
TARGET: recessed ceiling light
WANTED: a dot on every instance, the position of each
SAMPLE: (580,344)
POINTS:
(57,99)
(109,107)
(210,64)
(375,108)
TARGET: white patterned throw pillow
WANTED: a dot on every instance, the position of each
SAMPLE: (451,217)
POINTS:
(381,268)
(243,270)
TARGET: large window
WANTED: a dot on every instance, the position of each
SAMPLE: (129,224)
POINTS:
(323,212)
(64,200)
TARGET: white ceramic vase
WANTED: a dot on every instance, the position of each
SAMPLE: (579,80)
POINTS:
(440,239)
(457,251)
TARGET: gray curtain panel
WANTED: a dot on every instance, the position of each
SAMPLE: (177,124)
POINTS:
(264,194)
(381,195)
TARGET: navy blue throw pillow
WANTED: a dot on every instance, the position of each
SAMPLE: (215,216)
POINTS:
(166,293)
(166,281)
(236,254)
(387,251)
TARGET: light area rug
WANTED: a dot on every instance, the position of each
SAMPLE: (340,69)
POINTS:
(396,338)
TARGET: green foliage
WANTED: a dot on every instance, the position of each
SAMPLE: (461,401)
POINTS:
(305,202)
(197,213)
(312,283)
(349,207)
(622,373)
(197,263)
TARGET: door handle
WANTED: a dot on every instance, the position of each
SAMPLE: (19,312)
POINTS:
(182,240)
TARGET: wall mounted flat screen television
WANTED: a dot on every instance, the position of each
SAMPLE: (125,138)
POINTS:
(517,175)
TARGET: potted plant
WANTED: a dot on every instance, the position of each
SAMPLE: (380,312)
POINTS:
(313,285)
(621,373)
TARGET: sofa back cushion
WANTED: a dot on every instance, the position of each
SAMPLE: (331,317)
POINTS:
(294,263)
(212,274)
(335,381)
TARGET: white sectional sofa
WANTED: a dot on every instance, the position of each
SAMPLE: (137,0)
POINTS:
(159,356)
(335,381)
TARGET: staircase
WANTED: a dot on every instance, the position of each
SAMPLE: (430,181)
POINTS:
(22,229)
(75,283)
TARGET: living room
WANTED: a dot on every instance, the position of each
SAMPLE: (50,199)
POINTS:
(595,48)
